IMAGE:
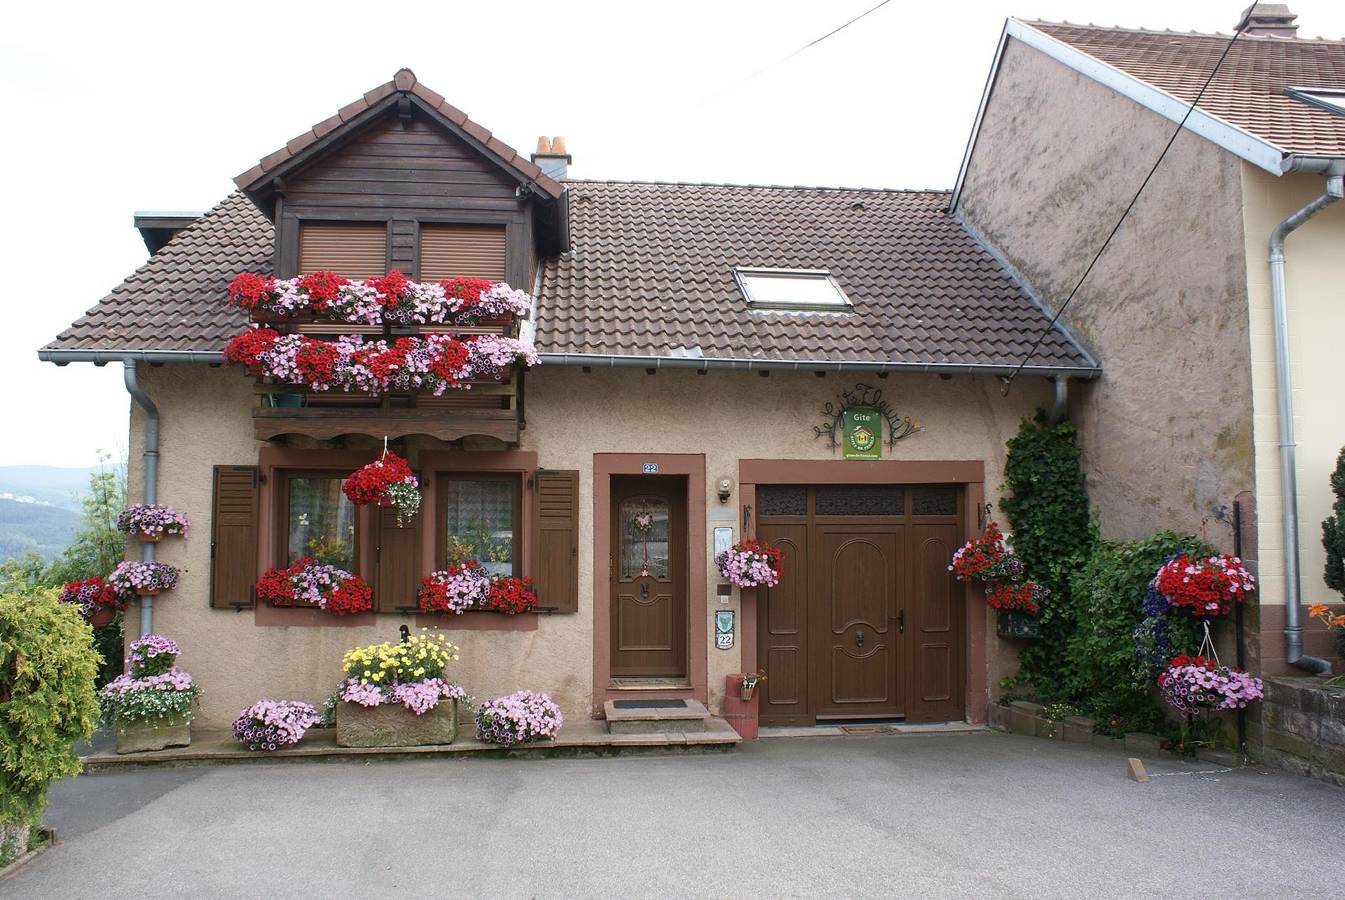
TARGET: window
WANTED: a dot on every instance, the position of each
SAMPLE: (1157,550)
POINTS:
(791,289)
(317,520)
(1330,99)
(350,249)
(462,251)
(644,537)
(480,520)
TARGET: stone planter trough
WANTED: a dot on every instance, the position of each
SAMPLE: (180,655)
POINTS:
(393,725)
(153,734)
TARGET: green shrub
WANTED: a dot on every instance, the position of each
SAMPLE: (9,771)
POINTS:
(47,702)
(1046,502)
(1333,530)
(1107,599)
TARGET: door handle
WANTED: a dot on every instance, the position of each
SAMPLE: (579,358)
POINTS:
(859,638)
(901,621)
(644,590)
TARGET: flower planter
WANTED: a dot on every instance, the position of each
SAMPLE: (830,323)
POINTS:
(393,725)
(146,735)
(147,592)
(1017,624)
(747,691)
(102,617)
(149,538)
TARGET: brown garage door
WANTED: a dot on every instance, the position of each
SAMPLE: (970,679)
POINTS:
(866,622)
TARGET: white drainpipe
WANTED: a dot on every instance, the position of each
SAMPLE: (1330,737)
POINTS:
(151,475)
(1293,627)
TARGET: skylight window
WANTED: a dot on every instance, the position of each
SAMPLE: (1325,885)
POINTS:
(1330,99)
(792,289)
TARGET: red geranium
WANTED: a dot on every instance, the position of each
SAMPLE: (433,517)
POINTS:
(390,287)
(322,287)
(369,484)
(247,345)
(468,290)
(1206,587)
(249,290)
(448,361)
(316,361)
(330,588)
(353,596)
(1007,595)
(511,595)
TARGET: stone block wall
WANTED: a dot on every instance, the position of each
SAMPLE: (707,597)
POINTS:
(1303,725)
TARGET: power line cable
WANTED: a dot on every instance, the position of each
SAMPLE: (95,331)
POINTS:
(813,43)
(1008,380)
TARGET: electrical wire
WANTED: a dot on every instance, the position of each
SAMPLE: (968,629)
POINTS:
(1008,379)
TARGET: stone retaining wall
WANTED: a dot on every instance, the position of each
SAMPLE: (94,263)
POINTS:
(1304,727)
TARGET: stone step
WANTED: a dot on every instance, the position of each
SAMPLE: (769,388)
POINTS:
(655,716)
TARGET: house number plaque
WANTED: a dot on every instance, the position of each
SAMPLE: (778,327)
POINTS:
(724,629)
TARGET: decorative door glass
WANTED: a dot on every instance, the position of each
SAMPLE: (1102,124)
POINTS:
(479,522)
(644,538)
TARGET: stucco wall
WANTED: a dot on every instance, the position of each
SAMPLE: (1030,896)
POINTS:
(571,416)
(1314,274)
(1166,432)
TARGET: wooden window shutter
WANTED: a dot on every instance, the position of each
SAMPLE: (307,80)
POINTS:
(233,537)
(350,249)
(397,560)
(555,523)
(465,251)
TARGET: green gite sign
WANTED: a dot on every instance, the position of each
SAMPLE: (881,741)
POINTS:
(861,433)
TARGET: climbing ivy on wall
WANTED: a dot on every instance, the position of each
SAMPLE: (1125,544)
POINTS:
(1046,503)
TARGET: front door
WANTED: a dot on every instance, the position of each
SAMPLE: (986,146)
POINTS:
(649,576)
(866,622)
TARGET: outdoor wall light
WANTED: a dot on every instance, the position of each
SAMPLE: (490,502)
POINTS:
(725,486)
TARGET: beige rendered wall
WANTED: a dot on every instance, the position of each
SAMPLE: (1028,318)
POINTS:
(1166,432)
(571,416)
(1314,275)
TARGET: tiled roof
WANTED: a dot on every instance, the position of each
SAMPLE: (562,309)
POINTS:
(650,273)
(1248,91)
(403,82)
(178,299)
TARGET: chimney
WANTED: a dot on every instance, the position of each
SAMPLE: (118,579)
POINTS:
(551,157)
(1268,20)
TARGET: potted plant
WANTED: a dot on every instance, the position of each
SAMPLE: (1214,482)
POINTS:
(990,559)
(311,583)
(145,579)
(749,564)
(98,603)
(387,481)
(750,682)
(395,694)
(470,586)
(272,724)
(1206,587)
(150,705)
(519,718)
(153,522)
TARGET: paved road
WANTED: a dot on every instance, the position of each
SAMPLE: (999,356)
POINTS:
(971,815)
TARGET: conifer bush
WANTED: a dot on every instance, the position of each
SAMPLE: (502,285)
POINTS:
(1333,530)
(47,670)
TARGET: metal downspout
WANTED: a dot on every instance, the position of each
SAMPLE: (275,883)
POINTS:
(1060,408)
(1293,628)
(151,475)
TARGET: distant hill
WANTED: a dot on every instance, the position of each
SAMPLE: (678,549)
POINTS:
(45,530)
(52,485)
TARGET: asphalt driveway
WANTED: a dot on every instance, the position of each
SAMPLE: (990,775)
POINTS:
(956,815)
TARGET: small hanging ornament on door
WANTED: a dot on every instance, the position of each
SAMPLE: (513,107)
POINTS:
(642,523)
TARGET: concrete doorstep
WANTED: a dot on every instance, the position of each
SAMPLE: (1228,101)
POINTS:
(574,739)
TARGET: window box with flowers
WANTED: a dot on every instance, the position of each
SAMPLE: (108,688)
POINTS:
(397,694)
(151,704)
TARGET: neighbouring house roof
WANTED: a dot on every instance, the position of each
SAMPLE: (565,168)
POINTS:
(403,86)
(1244,110)
(651,275)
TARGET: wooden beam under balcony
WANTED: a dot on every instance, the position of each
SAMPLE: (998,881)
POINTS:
(325,423)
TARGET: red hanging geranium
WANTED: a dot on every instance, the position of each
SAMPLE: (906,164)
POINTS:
(387,481)
(249,290)
(246,346)
(322,287)
(1205,587)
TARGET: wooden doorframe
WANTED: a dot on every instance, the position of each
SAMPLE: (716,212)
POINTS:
(692,466)
(968,473)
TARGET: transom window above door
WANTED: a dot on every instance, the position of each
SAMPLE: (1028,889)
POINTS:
(318,520)
(350,249)
(644,538)
(479,518)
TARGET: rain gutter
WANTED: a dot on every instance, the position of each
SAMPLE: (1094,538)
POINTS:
(151,475)
(705,363)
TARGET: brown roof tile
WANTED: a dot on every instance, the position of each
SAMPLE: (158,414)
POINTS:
(1248,91)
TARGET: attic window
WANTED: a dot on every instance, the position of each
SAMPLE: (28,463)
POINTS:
(791,289)
(1330,99)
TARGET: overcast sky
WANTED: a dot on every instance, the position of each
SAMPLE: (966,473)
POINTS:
(125,107)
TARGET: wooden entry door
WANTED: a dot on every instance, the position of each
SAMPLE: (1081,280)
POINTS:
(649,576)
(866,622)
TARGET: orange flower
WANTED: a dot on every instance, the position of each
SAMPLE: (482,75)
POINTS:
(1338,621)
(1317,609)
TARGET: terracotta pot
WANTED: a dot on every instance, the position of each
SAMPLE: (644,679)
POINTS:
(147,592)
(148,538)
(103,616)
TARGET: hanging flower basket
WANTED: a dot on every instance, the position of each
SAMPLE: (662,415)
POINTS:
(990,559)
(1192,684)
(1206,587)
(749,564)
(388,481)
(310,583)
(142,579)
(1018,624)
(97,601)
(152,522)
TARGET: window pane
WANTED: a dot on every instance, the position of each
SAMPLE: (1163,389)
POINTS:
(644,537)
(322,522)
(479,523)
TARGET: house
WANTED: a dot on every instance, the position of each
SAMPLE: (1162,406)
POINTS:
(699,346)
(1205,395)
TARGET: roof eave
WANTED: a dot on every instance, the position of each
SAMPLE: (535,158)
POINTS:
(594,360)
(101,357)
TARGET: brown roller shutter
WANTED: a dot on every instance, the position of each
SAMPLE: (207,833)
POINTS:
(397,557)
(555,524)
(465,251)
(233,537)
(350,249)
